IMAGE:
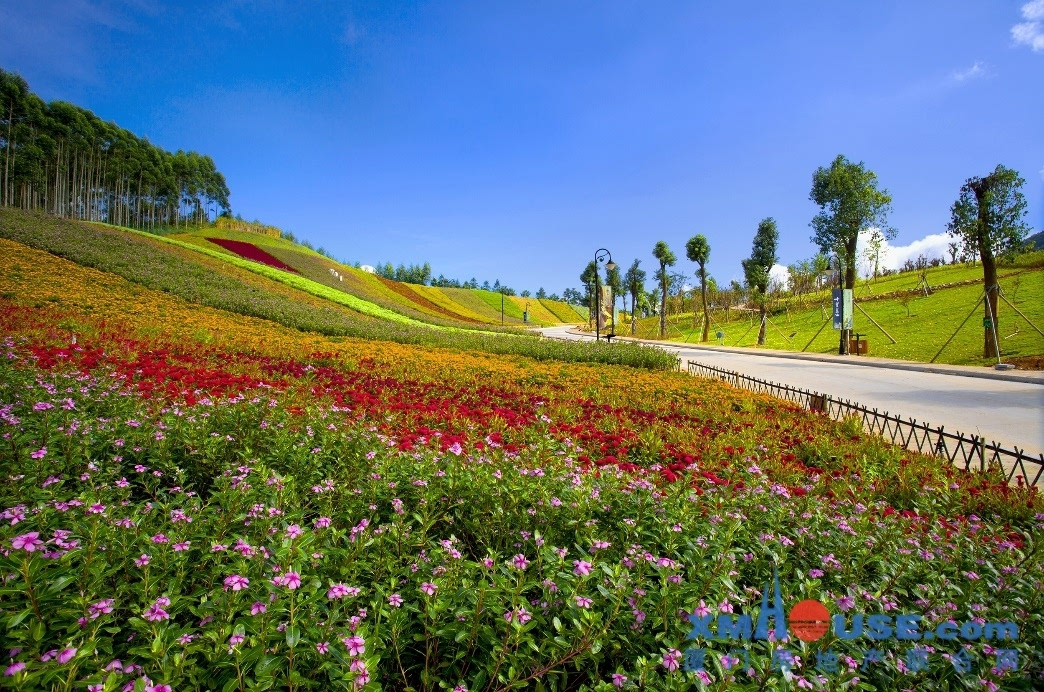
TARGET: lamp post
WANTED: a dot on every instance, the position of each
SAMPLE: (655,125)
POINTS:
(601,254)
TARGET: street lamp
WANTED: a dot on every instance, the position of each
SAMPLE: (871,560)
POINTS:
(600,256)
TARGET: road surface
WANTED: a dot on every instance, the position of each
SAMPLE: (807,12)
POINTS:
(1008,412)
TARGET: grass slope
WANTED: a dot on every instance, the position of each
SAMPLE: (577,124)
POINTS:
(563,312)
(439,297)
(931,321)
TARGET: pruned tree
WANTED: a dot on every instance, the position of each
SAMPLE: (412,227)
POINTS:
(756,267)
(850,202)
(634,281)
(588,276)
(698,251)
(666,258)
(988,218)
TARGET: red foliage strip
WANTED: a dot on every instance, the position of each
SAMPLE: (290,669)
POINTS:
(252,252)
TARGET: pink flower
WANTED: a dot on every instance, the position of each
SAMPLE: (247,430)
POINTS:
(155,613)
(142,561)
(14,669)
(671,659)
(581,567)
(321,522)
(292,580)
(293,531)
(428,588)
(322,647)
(39,454)
(181,547)
(66,655)
(395,600)
(160,538)
(520,562)
(258,607)
(619,679)
(158,688)
(583,601)
(27,542)
(846,603)
(100,608)
(356,645)
(487,562)
(235,640)
(96,508)
(236,582)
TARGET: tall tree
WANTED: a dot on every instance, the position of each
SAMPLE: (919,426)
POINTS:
(588,276)
(698,251)
(756,267)
(634,280)
(988,217)
(849,201)
(666,258)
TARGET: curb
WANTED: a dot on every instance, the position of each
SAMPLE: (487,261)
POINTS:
(1025,376)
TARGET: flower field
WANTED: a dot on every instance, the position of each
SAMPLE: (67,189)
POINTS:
(198,499)
(186,271)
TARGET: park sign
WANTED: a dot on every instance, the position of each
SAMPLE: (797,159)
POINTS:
(842,308)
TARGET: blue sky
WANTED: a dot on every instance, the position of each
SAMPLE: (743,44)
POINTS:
(510,140)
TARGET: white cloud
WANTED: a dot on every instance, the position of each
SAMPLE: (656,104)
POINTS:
(974,72)
(779,275)
(1031,31)
(895,256)
(1033,10)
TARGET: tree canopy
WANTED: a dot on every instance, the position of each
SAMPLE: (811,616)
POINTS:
(850,202)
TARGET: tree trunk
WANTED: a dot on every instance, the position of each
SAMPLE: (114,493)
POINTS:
(761,329)
(663,300)
(703,290)
(849,282)
(989,273)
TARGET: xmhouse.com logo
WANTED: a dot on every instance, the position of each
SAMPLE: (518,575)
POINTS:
(810,620)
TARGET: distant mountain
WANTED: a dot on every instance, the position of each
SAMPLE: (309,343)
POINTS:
(1035,241)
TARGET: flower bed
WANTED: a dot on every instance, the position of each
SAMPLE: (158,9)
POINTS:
(366,515)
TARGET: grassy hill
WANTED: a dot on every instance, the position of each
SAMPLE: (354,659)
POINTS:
(426,303)
(920,321)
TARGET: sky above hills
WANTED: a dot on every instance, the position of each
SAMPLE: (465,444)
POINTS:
(512,140)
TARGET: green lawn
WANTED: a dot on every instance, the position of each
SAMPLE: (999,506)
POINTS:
(920,332)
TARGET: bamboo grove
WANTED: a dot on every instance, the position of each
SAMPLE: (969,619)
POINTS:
(65,160)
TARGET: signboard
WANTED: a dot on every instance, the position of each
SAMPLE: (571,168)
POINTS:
(605,306)
(842,300)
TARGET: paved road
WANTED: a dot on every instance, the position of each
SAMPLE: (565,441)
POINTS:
(1001,410)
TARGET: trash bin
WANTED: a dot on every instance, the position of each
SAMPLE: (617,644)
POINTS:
(859,345)
(525,316)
